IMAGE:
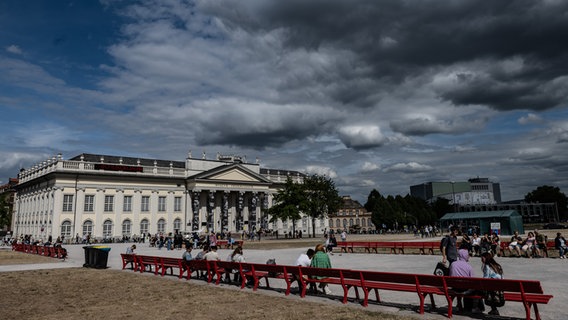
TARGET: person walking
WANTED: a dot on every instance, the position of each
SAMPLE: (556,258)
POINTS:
(449,246)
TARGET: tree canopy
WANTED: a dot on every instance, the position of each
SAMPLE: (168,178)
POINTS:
(549,194)
(321,198)
(316,197)
(394,212)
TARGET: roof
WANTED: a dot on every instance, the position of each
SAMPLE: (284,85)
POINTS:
(479,214)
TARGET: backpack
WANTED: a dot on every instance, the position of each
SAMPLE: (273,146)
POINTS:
(444,242)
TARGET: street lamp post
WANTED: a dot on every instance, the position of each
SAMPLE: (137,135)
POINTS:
(453,196)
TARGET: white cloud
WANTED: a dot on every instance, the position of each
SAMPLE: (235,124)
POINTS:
(14,49)
(361,136)
(530,118)
(410,167)
(321,170)
(369,167)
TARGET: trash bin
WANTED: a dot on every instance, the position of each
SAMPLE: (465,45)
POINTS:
(96,257)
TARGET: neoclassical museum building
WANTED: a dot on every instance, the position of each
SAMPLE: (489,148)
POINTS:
(111,197)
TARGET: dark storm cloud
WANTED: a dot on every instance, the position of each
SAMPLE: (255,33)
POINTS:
(398,40)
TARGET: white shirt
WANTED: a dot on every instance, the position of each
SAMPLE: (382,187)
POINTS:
(303,260)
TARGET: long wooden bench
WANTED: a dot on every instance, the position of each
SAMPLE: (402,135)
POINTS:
(226,245)
(528,292)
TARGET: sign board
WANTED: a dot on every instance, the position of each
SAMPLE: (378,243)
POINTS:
(496,227)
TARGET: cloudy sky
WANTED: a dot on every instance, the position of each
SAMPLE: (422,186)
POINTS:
(375,94)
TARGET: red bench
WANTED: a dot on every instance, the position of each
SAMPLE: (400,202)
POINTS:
(128,258)
(423,285)
(528,292)
(257,271)
(165,263)
(147,262)
(344,277)
(200,267)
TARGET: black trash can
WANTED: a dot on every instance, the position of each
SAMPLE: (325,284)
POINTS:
(96,257)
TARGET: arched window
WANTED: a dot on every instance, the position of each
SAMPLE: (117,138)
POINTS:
(358,222)
(331,223)
(66,228)
(161,226)
(177,224)
(144,226)
(363,222)
(345,223)
(126,228)
(338,223)
(351,222)
(107,229)
(87,227)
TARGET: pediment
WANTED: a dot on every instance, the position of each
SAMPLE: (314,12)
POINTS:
(232,173)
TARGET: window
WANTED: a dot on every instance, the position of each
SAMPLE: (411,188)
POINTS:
(107,228)
(350,222)
(109,203)
(344,223)
(144,226)
(126,228)
(161,203)
(338,223)
(331,223)
(161,226)
(145,203)
(177,204)
(87,227)
(127,207)
(68,202)
(177,224)
(89,203)
(363,224)
(66,229)
(358,222)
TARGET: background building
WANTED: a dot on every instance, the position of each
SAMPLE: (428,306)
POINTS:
(352,216)
(476,191)
(112,197)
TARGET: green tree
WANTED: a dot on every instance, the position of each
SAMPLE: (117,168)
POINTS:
(381,210)
(289,201)
(442,206)
(321,198)
(5,214)
(549,194)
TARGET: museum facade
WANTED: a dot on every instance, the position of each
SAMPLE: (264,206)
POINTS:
(110,197)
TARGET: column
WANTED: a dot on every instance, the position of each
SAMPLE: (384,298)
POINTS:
(118,207)
(211,211)
(225,212)
(239,218)
(195,207)
(252,212)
